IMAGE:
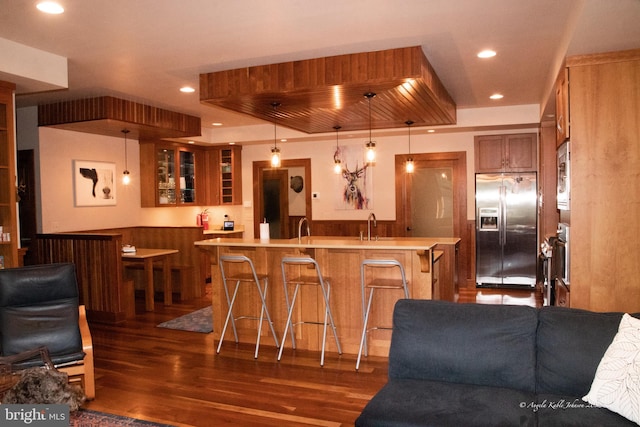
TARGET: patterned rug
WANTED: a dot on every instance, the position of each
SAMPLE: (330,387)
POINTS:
(89,418)
(197,321)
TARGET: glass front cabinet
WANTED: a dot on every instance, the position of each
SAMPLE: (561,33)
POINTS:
(170,175)
(179,175)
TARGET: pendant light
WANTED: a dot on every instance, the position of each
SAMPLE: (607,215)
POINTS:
(275,151)
(337,165)
(371,145)
(409,167)
(126,178)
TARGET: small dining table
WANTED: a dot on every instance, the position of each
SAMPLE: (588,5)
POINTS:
(148,256)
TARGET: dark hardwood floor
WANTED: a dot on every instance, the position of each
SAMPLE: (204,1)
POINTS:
(175,377)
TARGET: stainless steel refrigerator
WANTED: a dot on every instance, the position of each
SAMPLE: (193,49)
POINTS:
(506,229)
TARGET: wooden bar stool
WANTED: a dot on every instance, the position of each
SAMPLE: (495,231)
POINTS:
(247,274)
(374,283)
(303,277)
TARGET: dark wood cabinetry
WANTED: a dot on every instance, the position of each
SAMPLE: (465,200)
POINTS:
(8,216)
(506,153)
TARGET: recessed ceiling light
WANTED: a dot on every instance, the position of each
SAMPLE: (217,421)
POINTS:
(50,7)
(232,143)
(191,142)
(216,124)
(497,96)
(431,131)
(187,89)
(487,53)
(283,140)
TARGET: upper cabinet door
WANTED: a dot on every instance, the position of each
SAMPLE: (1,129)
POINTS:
(506,153)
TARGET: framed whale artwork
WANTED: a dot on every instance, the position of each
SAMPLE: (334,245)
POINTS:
(94,183)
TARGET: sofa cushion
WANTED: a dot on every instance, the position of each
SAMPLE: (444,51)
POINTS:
(408,402)
(616,385)
(571,411)
(571,343)
(492,345)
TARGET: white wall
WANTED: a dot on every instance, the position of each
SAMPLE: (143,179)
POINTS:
(57,151)
(326,183)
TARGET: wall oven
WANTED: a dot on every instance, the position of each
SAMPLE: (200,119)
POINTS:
(563,271)
(564,175)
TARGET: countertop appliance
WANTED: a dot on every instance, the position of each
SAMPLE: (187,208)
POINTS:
(506,230)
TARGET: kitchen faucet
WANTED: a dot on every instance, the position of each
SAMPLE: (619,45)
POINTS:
(300,228)
(375,224)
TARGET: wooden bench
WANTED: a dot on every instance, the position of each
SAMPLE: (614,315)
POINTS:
(183,273)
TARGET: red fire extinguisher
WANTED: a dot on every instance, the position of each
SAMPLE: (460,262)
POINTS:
(202,220)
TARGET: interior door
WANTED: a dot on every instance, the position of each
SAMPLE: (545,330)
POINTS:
(260,168)
(432,202)
(275,202)
(434,196)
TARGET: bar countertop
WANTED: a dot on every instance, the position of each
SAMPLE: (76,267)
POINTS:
(339,258)
(334,242)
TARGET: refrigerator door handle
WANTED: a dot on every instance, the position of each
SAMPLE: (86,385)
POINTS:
(503,215)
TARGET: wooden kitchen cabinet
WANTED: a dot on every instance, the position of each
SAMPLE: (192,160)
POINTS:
(562,107)
(171,175)
(230,175)
(8,215)
(605,186)
(179,175)
(224,175)
(506,153)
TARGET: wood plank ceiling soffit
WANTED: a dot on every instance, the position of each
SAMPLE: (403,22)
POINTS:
(107,115)
(317,94)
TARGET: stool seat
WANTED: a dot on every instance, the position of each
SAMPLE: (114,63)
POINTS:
(381,283)
(386,284)
(246,275)
(303,278)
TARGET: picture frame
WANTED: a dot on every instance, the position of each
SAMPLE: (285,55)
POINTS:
(94,183)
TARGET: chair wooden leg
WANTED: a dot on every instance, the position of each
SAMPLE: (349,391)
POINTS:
(87,347)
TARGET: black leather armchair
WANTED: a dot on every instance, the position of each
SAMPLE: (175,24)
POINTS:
(39,306)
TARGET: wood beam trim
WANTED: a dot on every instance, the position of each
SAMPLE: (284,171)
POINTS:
(107,115)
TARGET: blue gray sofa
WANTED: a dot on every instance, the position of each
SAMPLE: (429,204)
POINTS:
(492,365)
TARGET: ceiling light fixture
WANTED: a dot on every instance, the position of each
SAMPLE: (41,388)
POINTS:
(126,179)
(187,89)
(337,165)
(50,7)
(487,53)
(409,167)
(497,96)
(371,145)
(275,151)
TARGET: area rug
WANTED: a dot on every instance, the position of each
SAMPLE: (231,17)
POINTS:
(89,418)
(197,321)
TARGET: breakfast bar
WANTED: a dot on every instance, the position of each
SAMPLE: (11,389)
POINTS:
(339,259)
